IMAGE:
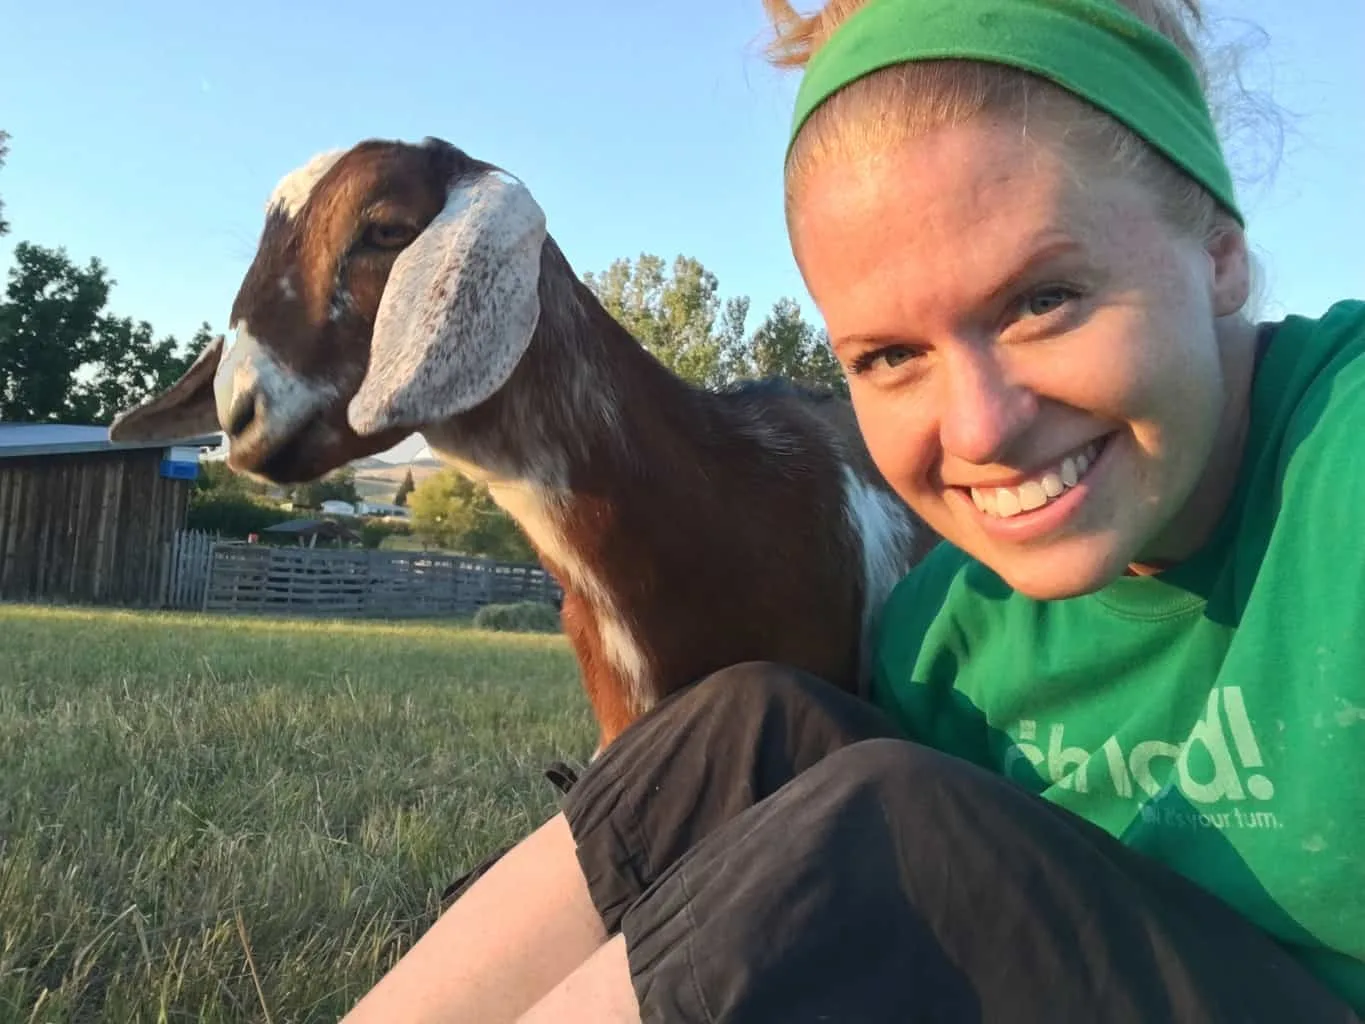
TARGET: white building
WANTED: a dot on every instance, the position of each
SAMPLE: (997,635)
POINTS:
(382,508)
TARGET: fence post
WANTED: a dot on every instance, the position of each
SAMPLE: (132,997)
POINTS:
(206,587)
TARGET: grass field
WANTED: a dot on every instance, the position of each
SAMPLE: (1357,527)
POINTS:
(209,819)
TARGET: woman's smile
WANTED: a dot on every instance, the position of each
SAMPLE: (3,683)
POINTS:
(1036,505)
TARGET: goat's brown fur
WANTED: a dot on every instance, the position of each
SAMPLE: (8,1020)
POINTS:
(714,522)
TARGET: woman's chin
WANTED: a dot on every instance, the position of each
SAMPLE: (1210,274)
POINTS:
(1074,578)
(1064,569)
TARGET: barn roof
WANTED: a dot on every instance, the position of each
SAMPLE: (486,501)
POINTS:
(28,439)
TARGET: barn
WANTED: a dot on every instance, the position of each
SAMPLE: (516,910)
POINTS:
(90,521)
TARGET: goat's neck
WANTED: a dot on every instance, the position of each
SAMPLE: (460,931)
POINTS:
(587,424)
(585,394)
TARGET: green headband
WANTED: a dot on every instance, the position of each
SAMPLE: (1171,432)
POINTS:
(1092,48)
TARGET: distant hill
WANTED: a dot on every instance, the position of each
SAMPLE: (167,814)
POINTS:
(378,480)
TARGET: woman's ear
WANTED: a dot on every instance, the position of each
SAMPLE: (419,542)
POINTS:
(1231,269)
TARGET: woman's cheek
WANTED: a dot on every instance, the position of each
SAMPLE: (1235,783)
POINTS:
(903,446)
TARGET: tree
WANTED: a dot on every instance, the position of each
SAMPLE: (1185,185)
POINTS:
(62,358)
(49,320)
(730,336)
(680,317)
(451,511)
(216,477)
(232,514)
(4,152)
(231,504)
(335,486)
(404,489)
(374,532)
(673,315)
(128,364)
(785,345)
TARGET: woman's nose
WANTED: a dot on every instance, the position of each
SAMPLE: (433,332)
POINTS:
(983,411)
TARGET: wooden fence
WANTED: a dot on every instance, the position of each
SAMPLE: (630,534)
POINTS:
(191,556)
(229,576)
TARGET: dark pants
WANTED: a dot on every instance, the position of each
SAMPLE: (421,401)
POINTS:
(774,851)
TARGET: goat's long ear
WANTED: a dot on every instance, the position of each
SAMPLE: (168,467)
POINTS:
(458,309)
(185,409)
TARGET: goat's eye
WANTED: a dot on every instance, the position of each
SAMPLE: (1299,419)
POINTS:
(388,236)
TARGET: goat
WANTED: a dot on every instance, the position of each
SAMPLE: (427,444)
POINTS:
(410,288)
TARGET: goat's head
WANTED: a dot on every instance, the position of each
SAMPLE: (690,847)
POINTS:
(394,286)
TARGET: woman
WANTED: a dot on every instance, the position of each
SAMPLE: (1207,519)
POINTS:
(1114,768)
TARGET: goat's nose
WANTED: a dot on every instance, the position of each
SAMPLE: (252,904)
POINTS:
(245,408)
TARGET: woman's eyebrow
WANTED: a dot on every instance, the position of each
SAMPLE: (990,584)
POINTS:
(1041,251)
(1049,247)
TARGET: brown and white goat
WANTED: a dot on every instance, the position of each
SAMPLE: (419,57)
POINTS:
(404,288)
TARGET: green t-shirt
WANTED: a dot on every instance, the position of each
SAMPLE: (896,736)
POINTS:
(1212,716)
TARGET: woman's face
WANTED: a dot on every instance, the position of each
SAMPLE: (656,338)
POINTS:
(1033,354)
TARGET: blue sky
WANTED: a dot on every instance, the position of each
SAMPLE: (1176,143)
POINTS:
(150,134)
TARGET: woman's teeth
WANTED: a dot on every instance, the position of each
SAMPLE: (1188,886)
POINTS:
(1004,502)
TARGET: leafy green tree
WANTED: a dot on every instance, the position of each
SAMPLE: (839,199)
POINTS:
(373,532)
(730,337)
(127,365)
(62,357)
(453,512)
(48,322)
(338,485)
(215,476)
(785,345)
(400,498)
(231,504)
(677,315)
(232,514)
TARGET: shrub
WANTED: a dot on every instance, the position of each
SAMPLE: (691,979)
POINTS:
(373,532)
(232,515)
(521,617)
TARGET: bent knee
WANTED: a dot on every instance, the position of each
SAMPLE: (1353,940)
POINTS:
(891,763)
(746,691)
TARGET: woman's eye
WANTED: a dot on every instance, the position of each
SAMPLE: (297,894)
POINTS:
(891,356)
(1043,301)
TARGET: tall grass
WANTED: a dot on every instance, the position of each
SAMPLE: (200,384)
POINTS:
(212,819)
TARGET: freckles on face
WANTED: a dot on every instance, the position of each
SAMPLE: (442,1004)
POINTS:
(999,313)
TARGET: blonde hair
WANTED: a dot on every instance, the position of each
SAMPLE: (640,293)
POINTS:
(905,101)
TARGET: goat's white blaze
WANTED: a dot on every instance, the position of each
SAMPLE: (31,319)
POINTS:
(885,531)
(535,507)
(287,399)
(295,187)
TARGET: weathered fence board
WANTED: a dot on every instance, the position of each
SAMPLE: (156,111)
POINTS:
(221,576)
(187,586)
